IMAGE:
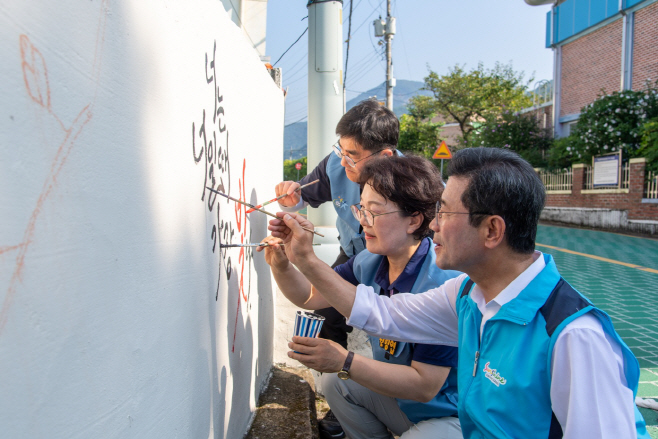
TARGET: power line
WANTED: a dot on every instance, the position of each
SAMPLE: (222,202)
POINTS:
(298,38)
(349,35)
(297,121)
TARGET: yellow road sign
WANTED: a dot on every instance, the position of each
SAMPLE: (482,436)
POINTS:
(442,152)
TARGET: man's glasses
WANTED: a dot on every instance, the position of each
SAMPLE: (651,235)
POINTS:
(368,217)
(440,214)
(350,161)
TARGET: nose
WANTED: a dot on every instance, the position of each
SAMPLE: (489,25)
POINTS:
(363,221)
(343,162)
(434,225)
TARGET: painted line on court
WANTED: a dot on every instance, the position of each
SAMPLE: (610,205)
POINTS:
(599,258)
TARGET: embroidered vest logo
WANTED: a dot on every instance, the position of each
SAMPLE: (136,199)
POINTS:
(493,375)
(339,202)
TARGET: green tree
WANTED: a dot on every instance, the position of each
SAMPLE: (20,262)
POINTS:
(518,132)
(649,144)
(417,131)
(290,172)
(477,95)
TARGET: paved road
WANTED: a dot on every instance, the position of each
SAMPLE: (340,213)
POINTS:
(619,274)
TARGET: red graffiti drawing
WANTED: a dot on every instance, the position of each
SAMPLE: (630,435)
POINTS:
(35,75)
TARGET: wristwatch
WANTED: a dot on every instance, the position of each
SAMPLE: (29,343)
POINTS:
(344,373)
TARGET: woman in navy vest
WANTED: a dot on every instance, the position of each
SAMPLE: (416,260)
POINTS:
(406,389)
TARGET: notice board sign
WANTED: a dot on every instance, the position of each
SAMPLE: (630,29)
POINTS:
(607,170)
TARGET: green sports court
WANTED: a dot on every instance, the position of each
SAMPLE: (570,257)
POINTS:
(619,274)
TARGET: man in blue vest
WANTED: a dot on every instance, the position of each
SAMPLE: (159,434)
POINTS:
(536,358)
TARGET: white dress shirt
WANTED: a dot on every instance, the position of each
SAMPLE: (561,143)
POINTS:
(589,393)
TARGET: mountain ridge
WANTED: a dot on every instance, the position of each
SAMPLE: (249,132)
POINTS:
(295,135)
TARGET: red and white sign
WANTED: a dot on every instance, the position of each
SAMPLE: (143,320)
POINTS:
(298,166)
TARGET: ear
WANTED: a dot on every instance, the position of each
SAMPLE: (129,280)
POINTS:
(493,230)
(386,153)
(415,221)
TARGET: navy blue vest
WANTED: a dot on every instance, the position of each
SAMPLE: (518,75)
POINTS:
(430,276)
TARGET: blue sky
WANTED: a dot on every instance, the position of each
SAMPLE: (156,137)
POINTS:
(430,33)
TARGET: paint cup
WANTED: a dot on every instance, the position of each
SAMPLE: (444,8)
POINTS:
(308,324)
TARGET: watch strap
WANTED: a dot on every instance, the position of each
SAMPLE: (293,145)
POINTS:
(348,362)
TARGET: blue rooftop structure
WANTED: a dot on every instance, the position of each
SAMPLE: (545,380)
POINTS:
(571,17)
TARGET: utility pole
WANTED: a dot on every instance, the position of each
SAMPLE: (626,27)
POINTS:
(325,89)
(390,31)
(386,29)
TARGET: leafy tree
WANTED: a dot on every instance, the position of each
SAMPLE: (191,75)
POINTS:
(519,132)
(614,122)
(477,95)
(417,131)
(289,170)
(649,144)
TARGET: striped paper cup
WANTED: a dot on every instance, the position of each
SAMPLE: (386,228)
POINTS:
(308,324)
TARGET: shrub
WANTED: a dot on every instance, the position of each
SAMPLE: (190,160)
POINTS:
(559,155)
(649,144)
(613,122)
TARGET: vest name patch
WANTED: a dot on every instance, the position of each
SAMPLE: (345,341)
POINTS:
(493,375)
(388,345)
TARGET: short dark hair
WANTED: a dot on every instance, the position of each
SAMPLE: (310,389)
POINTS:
(501,183)
(413,183)
(373,126)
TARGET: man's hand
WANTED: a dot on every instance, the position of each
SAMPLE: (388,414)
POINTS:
(299,242)
(275,254)
(318,353)
(288,187)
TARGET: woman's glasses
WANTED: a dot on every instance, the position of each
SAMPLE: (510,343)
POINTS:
(368,217)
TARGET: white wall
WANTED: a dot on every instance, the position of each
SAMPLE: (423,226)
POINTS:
(109,246)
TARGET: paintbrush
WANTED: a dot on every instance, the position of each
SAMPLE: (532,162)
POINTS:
(254,207)
(281,196)
(265,244)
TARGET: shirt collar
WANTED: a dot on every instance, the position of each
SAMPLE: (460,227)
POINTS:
(407,278)
(511,291)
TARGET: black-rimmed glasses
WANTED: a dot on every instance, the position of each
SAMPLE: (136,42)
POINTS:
(350,161)
(360,212)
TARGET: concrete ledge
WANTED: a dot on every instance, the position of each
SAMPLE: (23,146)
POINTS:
(567,192)
(604,191)
(609,219)
(286,409)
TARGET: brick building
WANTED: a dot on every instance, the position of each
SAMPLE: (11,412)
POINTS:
(598,45)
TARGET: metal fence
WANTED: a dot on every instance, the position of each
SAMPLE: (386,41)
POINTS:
(625,178)
(651,185)
(559,180)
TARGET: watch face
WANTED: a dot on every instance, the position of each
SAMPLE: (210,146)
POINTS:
(343,375)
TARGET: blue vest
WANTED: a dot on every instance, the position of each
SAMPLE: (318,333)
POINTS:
(344,193)
(430,276)
(505,393)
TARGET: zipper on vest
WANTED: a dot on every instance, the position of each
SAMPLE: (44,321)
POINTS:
(475,366)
